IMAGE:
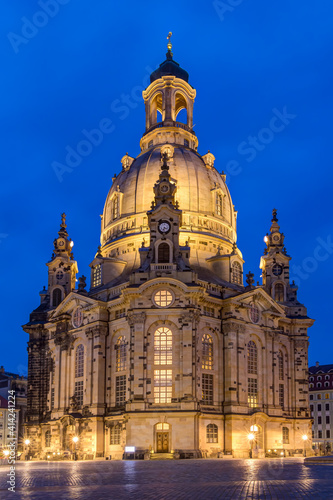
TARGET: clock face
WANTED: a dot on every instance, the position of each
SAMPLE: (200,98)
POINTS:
(277,270)
(164,227)
(61,243)
(164,188)
(276,238)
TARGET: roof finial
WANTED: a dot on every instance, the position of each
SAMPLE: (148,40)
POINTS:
(275,219)
(169,53)
(63,226)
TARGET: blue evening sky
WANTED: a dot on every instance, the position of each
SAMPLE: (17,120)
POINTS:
(89,60)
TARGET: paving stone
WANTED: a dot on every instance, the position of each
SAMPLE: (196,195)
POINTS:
(170,480)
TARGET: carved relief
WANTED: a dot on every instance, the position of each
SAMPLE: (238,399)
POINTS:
(135,318)
(234,328)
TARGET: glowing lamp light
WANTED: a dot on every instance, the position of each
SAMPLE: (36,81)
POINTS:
(75,439)
(254,428)
(282,453)
(269,451)
(266,239)
(48,456)
(58,453)
(27,442)
(304,437)
(71,244)
(6,453)
(250,437)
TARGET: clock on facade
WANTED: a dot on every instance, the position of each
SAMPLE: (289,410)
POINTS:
(164,188)
(164,226)
(276,237)
(277,270)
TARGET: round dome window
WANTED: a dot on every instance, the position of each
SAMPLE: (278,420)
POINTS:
(163,298)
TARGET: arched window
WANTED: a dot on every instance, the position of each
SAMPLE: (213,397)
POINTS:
(56,297)
(163,346)
(79,361)
(236,273)
(212,433)
(115,434)
(318,384)
(97,276)
(252,358)
(285,435)
(281,367)
(311,379)
(207,352)
(121,354)
(326,384)
(47,439)
(163,253)
(115,207)
(219,204)
(180,105)
(279,292)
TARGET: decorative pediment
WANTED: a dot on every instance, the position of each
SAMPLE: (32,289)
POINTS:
(262,300)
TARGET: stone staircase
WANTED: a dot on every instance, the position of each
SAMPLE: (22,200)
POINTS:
(161,456)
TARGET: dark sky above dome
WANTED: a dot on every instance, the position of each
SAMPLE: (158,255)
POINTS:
(71,94)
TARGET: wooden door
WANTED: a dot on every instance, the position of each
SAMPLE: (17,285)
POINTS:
(162,442)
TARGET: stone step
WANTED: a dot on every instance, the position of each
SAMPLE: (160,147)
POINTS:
(161,456)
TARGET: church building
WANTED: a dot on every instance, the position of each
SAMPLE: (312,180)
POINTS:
(171,350)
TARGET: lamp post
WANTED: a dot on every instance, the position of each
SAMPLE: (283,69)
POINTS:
(304,437)
(27,442)
(75,440)
(250,437)
(6,453)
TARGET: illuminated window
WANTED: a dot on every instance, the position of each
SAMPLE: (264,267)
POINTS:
(162,386)
(97,276)
(285,435)
(163,346)
(254,314)
(318,396)
(162,426)
(279,292)
(207,389)
(281,395)
(121,354)
(56,297)
(281,368)
(236,273)
(120,390)
(327,396)
(115,207)
(79,392)
(47,439)
(163,298)
(79,361)
(163,253)
(219,204)
(115,434)
(252,392)
(211,433)
(252,358)
(207,352)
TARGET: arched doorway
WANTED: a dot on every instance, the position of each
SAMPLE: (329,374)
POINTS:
(162,437)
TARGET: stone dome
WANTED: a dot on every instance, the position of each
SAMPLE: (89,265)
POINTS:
(198,185)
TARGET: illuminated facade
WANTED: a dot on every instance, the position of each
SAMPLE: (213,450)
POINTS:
(169,351)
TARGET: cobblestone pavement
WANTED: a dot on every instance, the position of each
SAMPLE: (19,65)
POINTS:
(170,480)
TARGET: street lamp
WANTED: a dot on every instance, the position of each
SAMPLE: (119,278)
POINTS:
(75,440)
(27,442)
(304,437)
(251,437)
(6,453)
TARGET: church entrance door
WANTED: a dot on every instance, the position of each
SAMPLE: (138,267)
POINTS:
(162,442)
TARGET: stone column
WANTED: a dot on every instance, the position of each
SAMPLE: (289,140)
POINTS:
(98,364)
(138,359)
